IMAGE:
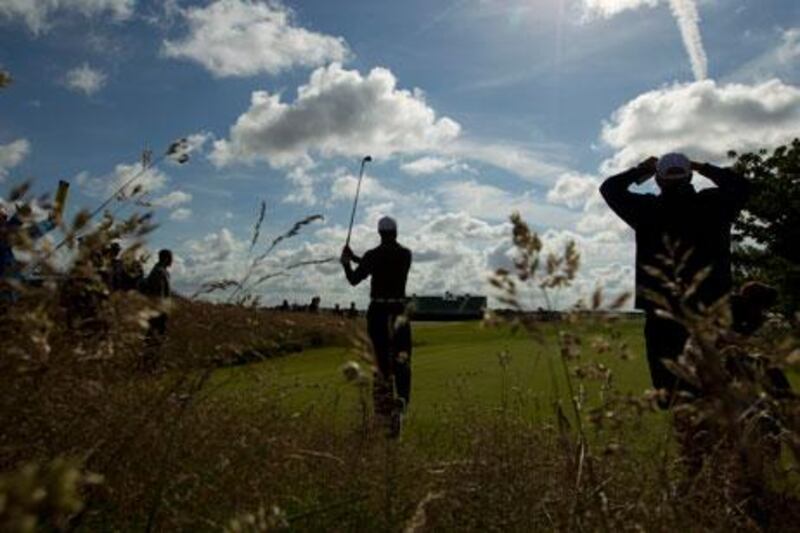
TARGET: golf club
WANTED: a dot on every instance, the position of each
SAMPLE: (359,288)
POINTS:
(364,161)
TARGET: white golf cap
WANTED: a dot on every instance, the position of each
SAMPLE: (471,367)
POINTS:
(387,224)
(674,166)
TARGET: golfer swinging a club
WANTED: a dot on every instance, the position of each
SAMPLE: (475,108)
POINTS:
(389,331)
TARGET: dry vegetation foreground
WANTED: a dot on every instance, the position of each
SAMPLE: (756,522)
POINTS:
(535,430)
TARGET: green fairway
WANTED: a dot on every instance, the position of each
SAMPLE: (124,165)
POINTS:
(453,364)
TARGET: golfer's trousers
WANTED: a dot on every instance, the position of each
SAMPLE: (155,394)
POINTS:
(664,339)
(391,343)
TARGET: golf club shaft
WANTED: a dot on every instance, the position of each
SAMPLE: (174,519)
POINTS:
(355,201)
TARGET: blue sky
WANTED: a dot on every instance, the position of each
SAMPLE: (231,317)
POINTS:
(472,109)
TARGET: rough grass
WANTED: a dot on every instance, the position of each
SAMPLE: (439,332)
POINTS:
(491,442)
(287,432)
(234,334)
(482,451)
(516,427)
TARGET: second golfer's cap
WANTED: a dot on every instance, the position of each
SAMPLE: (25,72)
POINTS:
(387,224)
(674,166)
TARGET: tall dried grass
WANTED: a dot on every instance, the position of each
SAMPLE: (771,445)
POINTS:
(123,449)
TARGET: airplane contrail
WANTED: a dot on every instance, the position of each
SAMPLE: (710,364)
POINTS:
(688,17)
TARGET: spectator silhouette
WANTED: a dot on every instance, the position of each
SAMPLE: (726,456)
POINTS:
(122,273)
(388,266)
(157,286)
(10,229)
(698,226)
(113,271)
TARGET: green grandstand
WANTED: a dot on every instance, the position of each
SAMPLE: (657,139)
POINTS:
(450,307)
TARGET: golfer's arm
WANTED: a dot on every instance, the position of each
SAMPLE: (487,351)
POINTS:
(355,276)
(163,286)
(726,180)
(348,273)
(616,194)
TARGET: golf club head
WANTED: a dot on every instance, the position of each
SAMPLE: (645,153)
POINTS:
(367,159)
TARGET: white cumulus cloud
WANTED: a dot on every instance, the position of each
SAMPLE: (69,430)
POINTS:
(494,203)
(453,251)
(578,191)
(196,142)
(344,188)
(85,79)
(246,37)
(38,14)
(172,199)
(343,113)
(180,214)
(703,119)
(218,255)
(432,165)
(337,113)
(12,154)
(141,183)
(572,190)
(151,180)
(303,187)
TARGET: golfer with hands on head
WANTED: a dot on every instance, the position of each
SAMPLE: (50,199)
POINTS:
(698,226)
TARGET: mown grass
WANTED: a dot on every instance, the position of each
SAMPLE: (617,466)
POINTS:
(287,432)
(462,372)
(453,364)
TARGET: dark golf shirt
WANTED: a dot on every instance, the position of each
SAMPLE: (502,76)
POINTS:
(157,283)
(388,264)
(699,223)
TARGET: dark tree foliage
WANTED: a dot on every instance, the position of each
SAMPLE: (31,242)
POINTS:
(767,234)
